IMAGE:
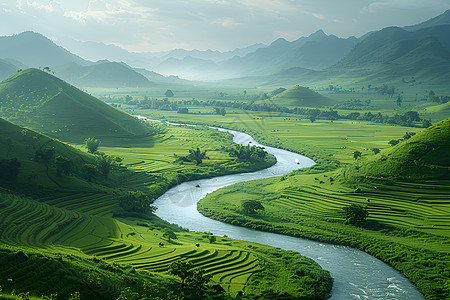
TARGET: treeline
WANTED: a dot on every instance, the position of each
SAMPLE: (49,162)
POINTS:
(410,118)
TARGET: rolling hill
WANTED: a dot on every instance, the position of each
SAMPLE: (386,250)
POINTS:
(299,96)
(423,156)
(49,105)
(103,74)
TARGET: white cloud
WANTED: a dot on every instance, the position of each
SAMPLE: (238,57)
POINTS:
(51,7)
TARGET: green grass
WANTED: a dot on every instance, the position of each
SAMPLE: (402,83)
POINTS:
(49,105)
(299,96)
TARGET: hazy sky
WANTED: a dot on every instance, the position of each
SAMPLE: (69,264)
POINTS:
(156,25)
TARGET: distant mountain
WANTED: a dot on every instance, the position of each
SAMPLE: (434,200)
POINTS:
(96,51)
(443,19)
(215,56)
(99,51)
(188,67)
(299,96)
(35,50)
(423,156)
(394,52)
(316,51)
(102,74)
(44,103)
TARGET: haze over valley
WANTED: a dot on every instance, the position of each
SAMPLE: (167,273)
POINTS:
(223,149)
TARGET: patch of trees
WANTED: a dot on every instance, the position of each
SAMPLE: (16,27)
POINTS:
(192,278)
(248,153)
(219,111)
(406,136)
(195,155)
(432,97)
(136,201)
(251,207)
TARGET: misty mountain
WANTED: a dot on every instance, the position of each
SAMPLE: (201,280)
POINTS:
(35,50)
(99,51)
(188,67)
(215,56)
(443,19)
(96,51)
(316,51)
(395,52)
(103,74)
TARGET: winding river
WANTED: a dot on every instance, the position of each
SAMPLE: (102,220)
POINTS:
(356,274)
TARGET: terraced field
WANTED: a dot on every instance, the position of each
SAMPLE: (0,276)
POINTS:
(31,223)
(421,206)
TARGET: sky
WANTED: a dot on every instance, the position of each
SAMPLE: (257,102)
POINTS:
(161,25)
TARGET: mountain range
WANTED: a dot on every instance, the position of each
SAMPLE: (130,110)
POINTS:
(420,50)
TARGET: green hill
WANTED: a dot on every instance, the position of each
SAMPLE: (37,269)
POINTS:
(423,156)
(104,75)
(40,101)
(299,96)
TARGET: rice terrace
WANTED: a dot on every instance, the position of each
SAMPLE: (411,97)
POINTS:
(224,150)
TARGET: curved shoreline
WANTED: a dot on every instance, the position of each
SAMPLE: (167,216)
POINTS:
(361,276)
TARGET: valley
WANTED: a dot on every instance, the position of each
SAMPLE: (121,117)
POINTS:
(311,168)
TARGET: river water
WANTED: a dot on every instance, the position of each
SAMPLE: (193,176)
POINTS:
(356,274)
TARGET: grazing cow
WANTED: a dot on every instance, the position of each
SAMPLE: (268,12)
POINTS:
(197,245)
(161,244)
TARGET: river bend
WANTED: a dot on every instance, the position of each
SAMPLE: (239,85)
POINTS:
(357,275)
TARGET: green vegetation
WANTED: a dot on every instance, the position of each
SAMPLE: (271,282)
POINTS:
(402,193)
(48,105)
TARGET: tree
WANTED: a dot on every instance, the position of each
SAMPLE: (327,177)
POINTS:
(376,150)
(91,144)
(251,206)
(89,171)
(169,93)
(355,214)
(219,111)
(195,278)
(408,135)
(136,202)
(181,269)
(197,156)
(63,165)
(356,154)
(45,156)
(105,163)
(393,142)
(169,234)
(312,119)
(183,110)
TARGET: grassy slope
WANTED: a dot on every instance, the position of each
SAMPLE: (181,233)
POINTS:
(49,105)
(406,219)
(424,156)
(299,96)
